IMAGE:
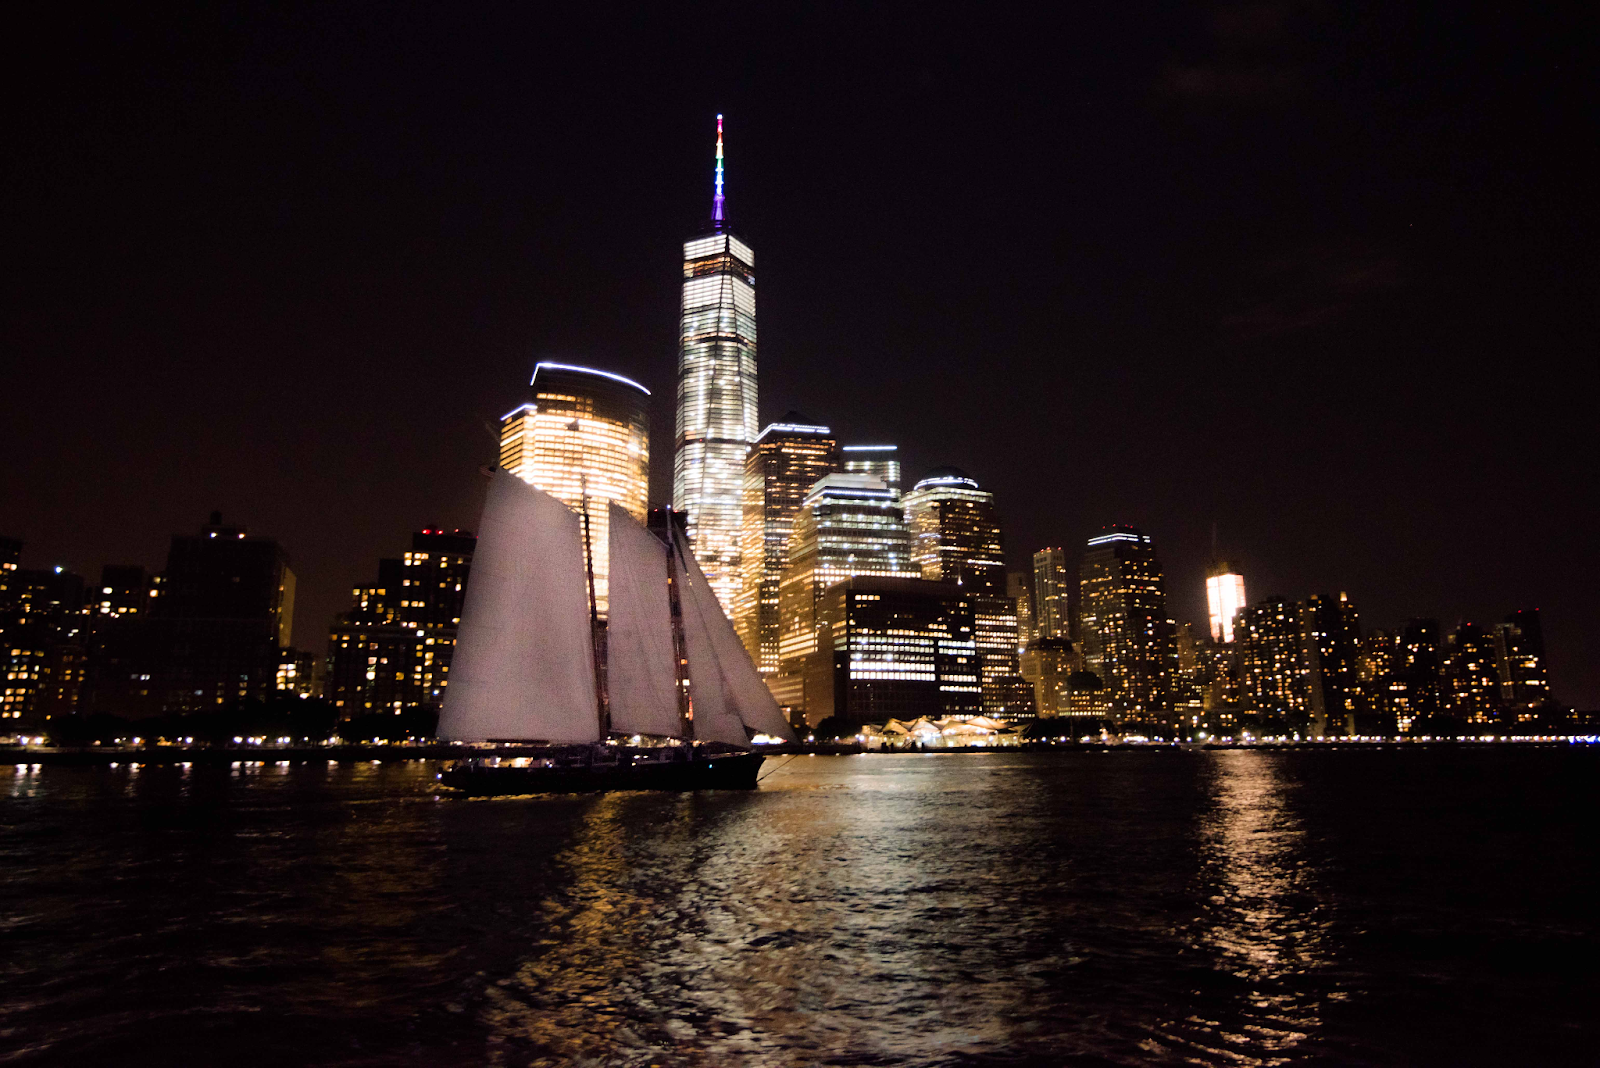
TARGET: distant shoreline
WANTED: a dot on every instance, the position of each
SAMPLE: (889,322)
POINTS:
(223,756)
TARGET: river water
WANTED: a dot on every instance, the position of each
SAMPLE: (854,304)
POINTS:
(1374,907)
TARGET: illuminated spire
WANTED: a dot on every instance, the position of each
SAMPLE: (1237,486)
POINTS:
(716,201)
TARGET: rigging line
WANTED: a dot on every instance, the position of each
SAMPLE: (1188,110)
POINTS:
(779,768)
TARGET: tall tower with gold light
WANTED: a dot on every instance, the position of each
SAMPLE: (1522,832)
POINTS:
(716,393)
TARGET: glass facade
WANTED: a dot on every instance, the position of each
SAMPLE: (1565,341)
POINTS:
(1052,594)
(584,433)
(1127,636)
(956,538)
(848,525)
(881,462)
(893,648)
(1224,599)
(716,397)
(785,461)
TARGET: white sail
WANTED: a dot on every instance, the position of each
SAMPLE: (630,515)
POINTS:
(524,658)
(640,677)
(727,690)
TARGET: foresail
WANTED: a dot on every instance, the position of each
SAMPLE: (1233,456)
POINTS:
(716,710)
(746,694)
(524,657)
(752,701)
(640,676)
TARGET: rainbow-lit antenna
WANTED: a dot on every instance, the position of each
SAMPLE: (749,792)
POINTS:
(716,201)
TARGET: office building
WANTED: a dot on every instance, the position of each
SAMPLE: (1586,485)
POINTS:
(956,537)
(1419,665)
(1224,599)
(583,435)
(1047,665)
(1330,635)
(1273,665)
(1053,607)
(1126,634)
(125,591)
(892,648)
(716,407)
(1086,701)
(42,635)
(122,669)
(1471,685)
(955,532)
(785,461)
(393,649)
(10,561)
(211,636)
(1386,693)
(881,462)
(848,525)
(1019,587)
(1519,651)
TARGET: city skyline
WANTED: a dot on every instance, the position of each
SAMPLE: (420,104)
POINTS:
(1327,382)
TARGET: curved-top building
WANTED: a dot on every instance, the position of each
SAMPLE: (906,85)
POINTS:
(584,433)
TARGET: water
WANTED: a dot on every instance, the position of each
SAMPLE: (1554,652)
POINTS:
(1379,907)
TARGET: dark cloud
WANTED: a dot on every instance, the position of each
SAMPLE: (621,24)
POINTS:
(1251,58)
(1312,286)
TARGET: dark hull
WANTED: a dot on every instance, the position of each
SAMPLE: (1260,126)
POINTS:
(729,771)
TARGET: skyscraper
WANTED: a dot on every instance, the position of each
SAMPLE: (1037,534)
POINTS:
(877,461)
(1052,594)
(956,537)
(225,608)
(1471,678)
(785,461)
(1019,587)
(1420,666)
(892,647)
(1519,648)
(1127,635)
(716,394)
(1274,664)
(1330,632)
(955,531)
(42,632)
(584,433)
(393,648)
(848,525)
(1224,599)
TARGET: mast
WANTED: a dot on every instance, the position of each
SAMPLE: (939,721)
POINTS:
(598,641)
(680,655)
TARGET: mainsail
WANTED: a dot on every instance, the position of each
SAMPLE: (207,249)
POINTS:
(640,678)
(727,690)
(524,657)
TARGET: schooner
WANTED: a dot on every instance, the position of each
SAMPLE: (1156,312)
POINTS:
(532,664)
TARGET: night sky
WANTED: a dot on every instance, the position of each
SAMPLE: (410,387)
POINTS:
(1323,275)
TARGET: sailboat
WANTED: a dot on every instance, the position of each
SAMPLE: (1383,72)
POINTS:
(661,696)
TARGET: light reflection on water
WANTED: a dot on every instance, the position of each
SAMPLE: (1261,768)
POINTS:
(1129,908)
(787,927)
(1263,922)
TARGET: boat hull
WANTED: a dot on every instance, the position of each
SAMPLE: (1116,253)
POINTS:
(727,771)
